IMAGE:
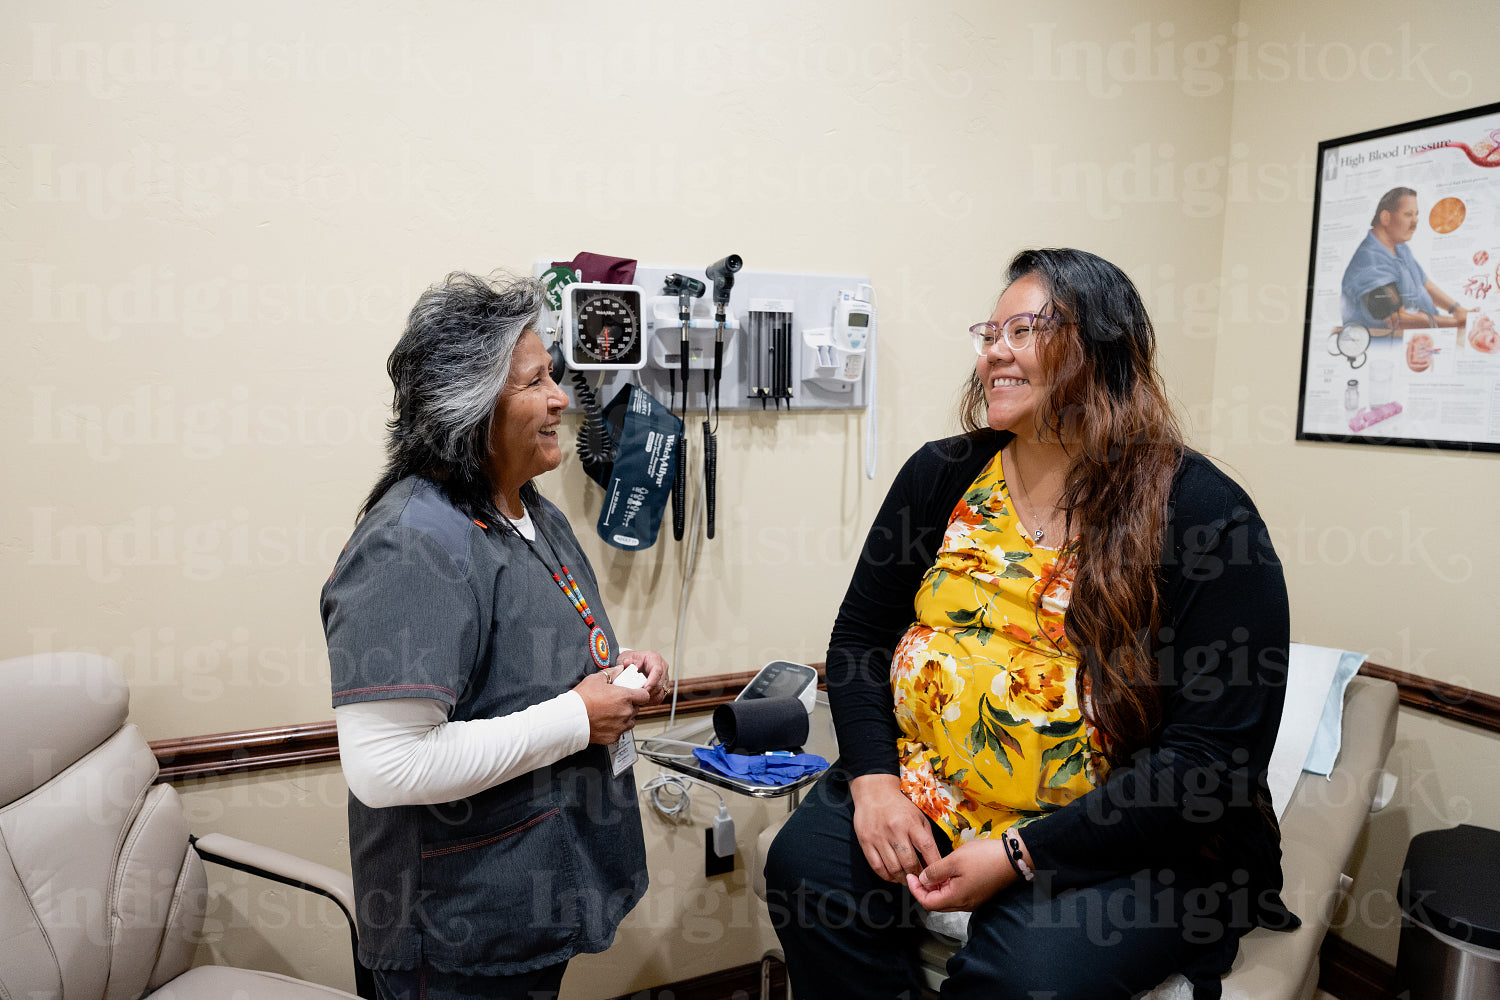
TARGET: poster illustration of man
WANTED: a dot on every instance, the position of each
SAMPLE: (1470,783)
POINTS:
(1401,335)
(1384,288)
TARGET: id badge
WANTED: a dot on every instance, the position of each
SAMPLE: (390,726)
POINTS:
(622,754)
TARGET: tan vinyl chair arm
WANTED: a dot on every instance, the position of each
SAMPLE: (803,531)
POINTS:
(288,869)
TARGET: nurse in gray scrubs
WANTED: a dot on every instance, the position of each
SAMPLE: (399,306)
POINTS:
(493,825)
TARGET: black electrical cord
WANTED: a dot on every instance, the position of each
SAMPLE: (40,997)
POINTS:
(596,444)
(710,460)
(718,378)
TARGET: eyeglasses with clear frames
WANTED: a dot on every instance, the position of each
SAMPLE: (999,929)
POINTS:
(1016,331)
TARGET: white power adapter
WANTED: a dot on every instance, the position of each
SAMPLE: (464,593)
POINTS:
(724,833)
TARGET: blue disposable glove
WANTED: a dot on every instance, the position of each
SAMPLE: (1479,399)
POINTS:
(775,768)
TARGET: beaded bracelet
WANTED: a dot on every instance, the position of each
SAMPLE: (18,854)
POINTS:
(1013,852)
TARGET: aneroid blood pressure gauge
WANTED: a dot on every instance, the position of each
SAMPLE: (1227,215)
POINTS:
(1351,341)
(602,327)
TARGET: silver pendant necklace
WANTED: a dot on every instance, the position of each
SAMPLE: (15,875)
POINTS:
(1040,530)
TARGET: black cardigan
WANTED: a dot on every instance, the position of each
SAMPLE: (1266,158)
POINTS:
(1197,795)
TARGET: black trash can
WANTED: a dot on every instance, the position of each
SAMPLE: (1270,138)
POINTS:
(1450,916)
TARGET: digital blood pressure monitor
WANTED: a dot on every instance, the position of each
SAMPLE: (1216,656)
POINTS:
(783,679)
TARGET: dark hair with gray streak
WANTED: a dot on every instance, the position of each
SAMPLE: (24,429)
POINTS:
(448,369)
(1390,202)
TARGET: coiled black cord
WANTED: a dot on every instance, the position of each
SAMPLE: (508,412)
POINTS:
(596,444)
(679,490)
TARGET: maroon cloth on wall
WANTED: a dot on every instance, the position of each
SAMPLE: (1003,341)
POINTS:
(601,267)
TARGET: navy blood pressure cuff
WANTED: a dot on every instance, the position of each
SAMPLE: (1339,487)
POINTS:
(641,480)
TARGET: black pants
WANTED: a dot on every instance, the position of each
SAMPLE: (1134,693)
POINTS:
(844,929)
(431,984)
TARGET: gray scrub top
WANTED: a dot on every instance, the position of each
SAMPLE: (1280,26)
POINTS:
(426,602)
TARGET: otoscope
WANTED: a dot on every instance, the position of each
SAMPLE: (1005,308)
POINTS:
(686,289)
(721,273)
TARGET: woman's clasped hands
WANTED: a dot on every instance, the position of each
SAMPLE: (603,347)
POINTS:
(899,846)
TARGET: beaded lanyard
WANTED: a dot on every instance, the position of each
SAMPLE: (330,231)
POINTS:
(598,641)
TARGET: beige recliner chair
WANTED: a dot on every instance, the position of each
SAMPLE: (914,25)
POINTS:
(102,890)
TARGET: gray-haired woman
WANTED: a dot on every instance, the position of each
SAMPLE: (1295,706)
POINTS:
(493,825)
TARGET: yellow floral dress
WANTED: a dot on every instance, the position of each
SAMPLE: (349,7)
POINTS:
(985,683)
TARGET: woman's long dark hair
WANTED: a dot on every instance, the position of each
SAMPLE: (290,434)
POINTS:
(448,369)
(1106,403)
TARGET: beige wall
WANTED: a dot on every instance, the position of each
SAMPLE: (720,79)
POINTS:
(214,222)
(1389,551)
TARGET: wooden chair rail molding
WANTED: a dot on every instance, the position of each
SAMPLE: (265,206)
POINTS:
(315,742)
(1451,701)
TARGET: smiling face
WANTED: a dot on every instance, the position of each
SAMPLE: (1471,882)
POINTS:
(1014,383)
(1401,225)
(523,428)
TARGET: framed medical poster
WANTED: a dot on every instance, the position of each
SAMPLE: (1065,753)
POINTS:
(1401,338)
